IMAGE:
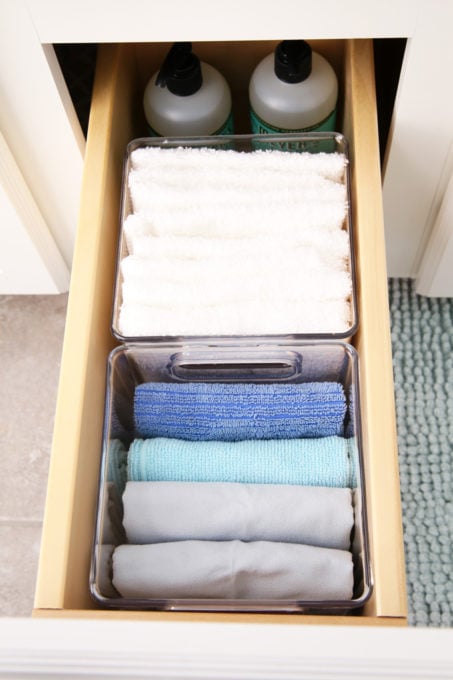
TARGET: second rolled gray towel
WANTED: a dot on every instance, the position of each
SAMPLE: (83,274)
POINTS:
(232,569)
(220,511)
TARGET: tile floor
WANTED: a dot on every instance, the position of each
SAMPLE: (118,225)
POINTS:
(31,337)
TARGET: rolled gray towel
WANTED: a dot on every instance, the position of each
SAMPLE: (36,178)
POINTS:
(157,512)
(259,570)
(103,571)
(112,531)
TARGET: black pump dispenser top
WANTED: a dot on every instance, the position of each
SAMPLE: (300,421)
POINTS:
(292,62)
(180,71)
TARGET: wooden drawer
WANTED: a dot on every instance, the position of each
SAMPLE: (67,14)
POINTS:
(116,118)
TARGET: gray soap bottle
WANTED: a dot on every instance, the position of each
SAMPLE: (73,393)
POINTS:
(294,89)
(187,97)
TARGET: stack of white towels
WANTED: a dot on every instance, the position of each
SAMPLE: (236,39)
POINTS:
(221,242)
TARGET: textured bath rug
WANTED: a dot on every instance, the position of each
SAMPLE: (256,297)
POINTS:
(422,342)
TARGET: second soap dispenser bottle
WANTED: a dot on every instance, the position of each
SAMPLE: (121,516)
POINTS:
(294,89)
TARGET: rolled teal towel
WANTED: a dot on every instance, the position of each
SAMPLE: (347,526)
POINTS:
(236,411)
(117,464)
(323,461)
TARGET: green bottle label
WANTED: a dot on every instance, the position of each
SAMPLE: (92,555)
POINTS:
(260,127)
(227,128)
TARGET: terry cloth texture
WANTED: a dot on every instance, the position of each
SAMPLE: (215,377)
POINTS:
(156,512)
(324,461)
(234,411)
(229,243)
(238,225)
(264,317)
(232,569)
(328,166)
(186,248)
(422,339)
(185,280)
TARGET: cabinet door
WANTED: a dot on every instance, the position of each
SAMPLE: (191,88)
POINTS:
(434,276)
(41,159)
(30,262)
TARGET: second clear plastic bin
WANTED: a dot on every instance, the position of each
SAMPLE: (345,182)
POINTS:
(261,365)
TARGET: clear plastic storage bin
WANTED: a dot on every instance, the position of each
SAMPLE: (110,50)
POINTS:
(280,272)
(259,364)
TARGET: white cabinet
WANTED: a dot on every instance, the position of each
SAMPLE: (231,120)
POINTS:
(30,261)
(419,158)
(41,129)
(41,160)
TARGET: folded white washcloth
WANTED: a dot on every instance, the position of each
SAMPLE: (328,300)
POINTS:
(177,296)
(261,317)
(230,219)
(329,165)
(233,569)
(148,197)
(142,242)
(207,181)
(156,512)
(214,283)
(265,261)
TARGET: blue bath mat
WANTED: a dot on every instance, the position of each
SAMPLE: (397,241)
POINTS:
(422,342)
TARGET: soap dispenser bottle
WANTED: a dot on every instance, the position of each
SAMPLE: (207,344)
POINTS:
(187,97)
(294,89)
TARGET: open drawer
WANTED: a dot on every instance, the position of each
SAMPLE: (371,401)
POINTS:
(116,118)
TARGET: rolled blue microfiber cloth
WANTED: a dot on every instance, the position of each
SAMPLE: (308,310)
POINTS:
(236,411)
(323,461)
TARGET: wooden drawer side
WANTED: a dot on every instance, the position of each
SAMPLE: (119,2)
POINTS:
(74,467)
(373,339)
